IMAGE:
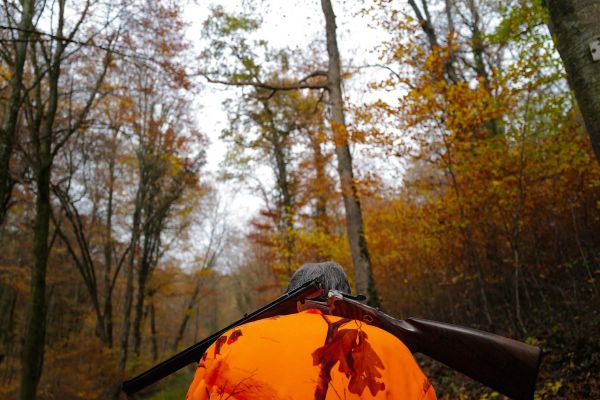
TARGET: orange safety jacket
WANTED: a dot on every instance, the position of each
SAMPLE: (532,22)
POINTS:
(308,355)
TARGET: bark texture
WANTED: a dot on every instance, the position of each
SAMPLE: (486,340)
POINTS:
(574,24)
(363,276)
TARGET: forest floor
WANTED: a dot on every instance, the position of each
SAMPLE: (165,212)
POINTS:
(570,342)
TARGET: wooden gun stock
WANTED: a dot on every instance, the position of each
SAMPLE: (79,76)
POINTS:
(505,365)
(285,304)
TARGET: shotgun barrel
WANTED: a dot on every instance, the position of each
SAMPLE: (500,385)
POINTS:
(285,304)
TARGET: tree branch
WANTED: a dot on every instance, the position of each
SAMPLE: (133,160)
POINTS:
(302,84)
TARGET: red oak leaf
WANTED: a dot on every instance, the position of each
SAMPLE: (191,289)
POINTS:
(357,360)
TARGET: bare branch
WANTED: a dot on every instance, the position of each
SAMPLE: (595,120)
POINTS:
(268,86)
(88,105)
(382,66)
(313,75)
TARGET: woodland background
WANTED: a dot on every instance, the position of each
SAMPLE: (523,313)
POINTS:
(468,193)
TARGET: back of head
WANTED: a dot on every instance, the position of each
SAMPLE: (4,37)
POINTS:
(329,275)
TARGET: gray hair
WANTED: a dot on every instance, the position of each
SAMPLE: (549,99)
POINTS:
(330,276)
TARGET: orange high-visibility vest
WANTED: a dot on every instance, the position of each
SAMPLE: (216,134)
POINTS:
(308,355)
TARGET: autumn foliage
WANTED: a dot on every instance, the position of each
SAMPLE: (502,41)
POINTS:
(478,186)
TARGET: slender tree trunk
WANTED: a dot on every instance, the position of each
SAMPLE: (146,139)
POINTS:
(363,275)
(9,339)
(151,232)
(7,330)
(277,138)
(320,213)
(9,124)
(285,204)
(517,279)
(188,312)
(129,271)
(85,264)
(135,236)
(196,325)
(153,328)
(139,307)
(144,264)
(33,348)
(108,244)
(575,24)
(8,301)
(100,323)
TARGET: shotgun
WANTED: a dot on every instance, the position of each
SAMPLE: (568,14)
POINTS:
(505,365)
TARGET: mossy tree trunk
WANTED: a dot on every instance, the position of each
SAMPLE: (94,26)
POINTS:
(575,24)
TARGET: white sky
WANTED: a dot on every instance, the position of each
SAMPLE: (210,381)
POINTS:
(292,24)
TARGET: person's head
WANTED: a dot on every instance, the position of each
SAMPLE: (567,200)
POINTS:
(330,276)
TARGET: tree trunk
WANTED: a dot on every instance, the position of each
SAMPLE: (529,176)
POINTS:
(516,283)
(7,332)
(196,325)
(188,312)
(108,244)
(575,24)
(320,189)
(85,264)
(9,125)
(33,348)
(285,203)
(151,232)
(363,275)
(139,307)
(153,328)
(135,231)
(285,213)
(8,301)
